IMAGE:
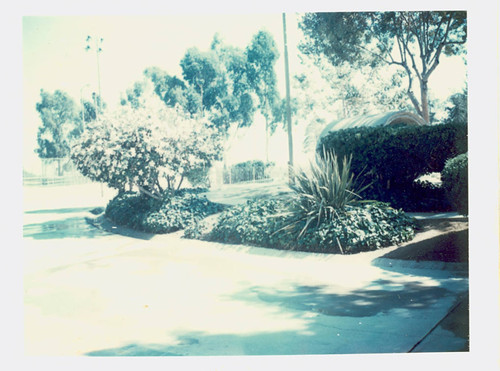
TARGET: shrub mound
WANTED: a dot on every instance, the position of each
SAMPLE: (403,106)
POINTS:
(174,211)
(364,227)
(455,183)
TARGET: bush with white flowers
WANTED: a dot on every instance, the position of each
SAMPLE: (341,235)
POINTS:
(151,147)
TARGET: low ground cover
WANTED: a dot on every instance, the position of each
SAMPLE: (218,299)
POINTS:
(268,223)
(175,210)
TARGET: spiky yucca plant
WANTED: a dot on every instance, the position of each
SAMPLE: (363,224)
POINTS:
(323,190)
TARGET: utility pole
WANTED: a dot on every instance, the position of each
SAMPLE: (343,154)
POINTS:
(288,109)
(98,49)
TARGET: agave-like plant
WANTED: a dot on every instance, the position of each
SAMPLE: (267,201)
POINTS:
(323,191)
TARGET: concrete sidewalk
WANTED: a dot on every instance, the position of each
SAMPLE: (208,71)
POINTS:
(111,295)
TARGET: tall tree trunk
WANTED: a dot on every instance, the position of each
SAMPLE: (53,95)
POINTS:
(424,98)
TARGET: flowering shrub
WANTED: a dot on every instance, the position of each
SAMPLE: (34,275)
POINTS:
(151,147)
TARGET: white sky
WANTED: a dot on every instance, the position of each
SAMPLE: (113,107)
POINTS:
(54,58)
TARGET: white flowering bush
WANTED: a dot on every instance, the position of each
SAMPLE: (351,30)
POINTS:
(151,147)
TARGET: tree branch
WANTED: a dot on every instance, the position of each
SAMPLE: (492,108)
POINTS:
(412,97)
(142,190)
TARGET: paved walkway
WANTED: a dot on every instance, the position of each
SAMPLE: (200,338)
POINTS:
(88,292)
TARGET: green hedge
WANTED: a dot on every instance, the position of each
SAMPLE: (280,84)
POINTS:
(455,182)
(175,211)
(360,228)
(392,157)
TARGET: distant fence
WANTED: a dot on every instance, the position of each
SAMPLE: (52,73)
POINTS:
(55,172)
(246,172)
(67,179)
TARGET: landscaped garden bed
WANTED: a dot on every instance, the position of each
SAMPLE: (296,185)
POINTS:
(323,213)
(174,211)
(268,223)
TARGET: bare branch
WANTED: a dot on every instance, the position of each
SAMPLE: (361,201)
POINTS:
(437,32)
(142,190)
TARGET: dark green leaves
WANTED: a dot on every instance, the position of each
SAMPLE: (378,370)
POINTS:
(393,157)
(359,228)
(175,211)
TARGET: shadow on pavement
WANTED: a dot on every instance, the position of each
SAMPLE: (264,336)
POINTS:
(357,303)
(395,333)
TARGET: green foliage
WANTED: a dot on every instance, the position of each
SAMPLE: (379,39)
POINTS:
(392,157)
(455,182)
(129,209)
(61,123)
(252,223)
(201,71)
(174,211)
(262,55)
(457,111)
(363,228)
(323,190)
(198,177)
(357,228)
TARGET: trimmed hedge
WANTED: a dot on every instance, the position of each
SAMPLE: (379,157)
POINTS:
(360,228)
(175,211)
(455,183)
(392,157)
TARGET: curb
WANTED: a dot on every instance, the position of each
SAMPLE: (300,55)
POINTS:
(412,264)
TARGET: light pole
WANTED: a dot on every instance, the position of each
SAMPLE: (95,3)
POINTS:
(288,110)
(98,49)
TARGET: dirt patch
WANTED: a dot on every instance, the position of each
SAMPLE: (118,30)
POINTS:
(447,241)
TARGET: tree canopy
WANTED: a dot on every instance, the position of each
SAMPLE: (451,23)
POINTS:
(61,123)
(262,55)
(412,40)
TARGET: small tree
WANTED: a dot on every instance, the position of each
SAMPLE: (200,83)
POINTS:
(150,147)
(457,109)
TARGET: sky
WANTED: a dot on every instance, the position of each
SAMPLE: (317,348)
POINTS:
(54,57)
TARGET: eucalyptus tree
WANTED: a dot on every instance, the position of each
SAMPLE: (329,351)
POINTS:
(201,70)
(262,55)
(174,91)
(61,122)
(414,41)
